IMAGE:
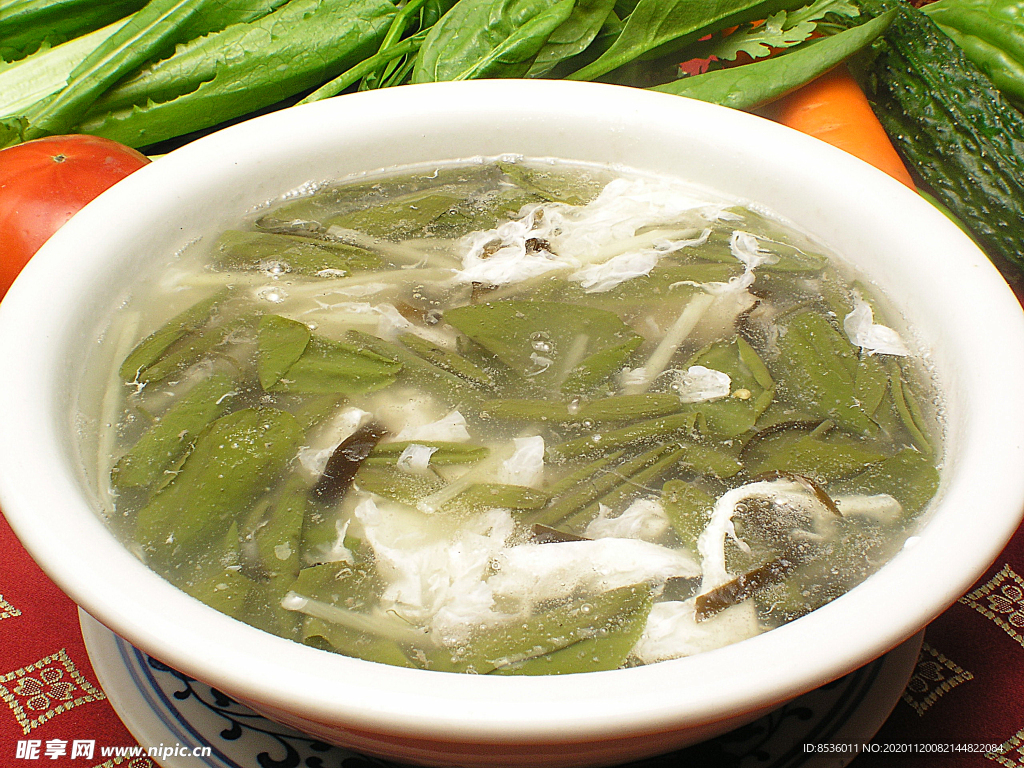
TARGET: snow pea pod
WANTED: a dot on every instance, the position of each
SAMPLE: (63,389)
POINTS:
(762,81)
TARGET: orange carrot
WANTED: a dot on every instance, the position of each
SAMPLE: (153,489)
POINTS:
(833,108)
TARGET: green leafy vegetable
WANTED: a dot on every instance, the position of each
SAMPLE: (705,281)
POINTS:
(688,509)
(151,32)
(541,340)
(752,389)
(821,457)
(605,409)
(823,374)
(326,367)
(239,69)
(488,38)
(566,639)
(573,36)
(357,638)
(43,73)
(167,441)
(444,453)
(384,479)
(495,495)
(152,348)
(232,464)
(291,254)
(446,359)
(910,477)
(415,369)
(27,25)
(280,343)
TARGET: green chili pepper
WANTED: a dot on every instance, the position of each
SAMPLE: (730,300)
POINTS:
(991,33)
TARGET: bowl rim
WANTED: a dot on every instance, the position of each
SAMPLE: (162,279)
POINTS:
(85,560)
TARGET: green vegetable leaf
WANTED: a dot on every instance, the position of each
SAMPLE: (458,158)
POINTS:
(818,369)
(280,342)
(605,627)
(163,444)
(26,25)
(151,32)
(488,38)
(233,463)
(274,529)
(218,582)
(606,409)
(495,495)
(360,584)
(335,367)
(548,342)
(757,42)
(290,254)
(46,71)
(674,425)
(905,403)
(385,479)
(751,384)
(240,69)
(688,509)
(446,359)
(385,57)
(454,389)
(400,218)
(386,454)
(599,366)
(550,185)
(153,348)
(910,477)
(819,457)
(573,36)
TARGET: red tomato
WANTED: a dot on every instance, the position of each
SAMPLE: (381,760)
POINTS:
(43,183)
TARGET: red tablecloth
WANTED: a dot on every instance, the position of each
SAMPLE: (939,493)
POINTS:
(51,705)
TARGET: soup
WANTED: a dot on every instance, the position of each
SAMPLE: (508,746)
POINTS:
(516,416)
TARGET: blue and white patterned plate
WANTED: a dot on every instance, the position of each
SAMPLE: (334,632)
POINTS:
(162,707)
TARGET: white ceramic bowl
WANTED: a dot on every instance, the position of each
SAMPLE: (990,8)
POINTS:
(960,308)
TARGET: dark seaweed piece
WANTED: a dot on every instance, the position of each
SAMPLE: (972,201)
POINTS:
(545,534)
(748,584)
(345,462)
(679,588)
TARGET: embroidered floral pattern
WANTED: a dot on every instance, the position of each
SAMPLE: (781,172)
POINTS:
(1001,599)
(7,611)
(1010,601)
(127,762)
(1010,753)
(934,676)
(45,689)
